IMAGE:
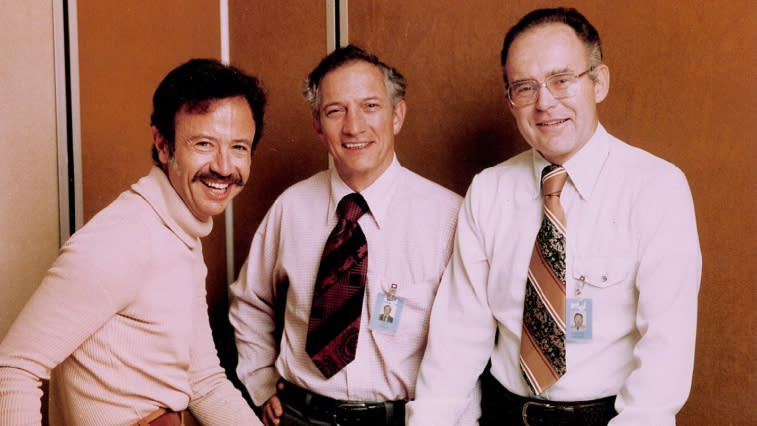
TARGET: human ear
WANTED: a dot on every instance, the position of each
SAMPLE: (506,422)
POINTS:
(602,83)
(161,144)
(398,116)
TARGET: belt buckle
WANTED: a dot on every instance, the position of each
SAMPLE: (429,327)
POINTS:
(524,412)
(347,406)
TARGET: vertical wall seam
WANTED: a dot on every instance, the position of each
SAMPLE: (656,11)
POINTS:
(67,117)
(343,24)
(229,212)
(74,174)
(60,54)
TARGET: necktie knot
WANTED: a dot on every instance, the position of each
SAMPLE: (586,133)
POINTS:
(553,178)
(352,207)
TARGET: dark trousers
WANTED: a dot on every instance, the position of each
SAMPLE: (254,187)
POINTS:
(292,418)
(305,408)
(502,407)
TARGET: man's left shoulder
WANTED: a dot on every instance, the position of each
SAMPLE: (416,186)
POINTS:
(428,191)
(637,161)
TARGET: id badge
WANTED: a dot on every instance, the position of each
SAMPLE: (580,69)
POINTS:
(579,319)
(386,313)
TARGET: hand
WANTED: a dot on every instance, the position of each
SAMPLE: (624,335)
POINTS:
(272,409)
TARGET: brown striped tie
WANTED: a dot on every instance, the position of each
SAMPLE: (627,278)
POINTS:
(542,343)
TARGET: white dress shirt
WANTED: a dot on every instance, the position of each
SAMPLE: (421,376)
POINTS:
(409,232)
(632,248)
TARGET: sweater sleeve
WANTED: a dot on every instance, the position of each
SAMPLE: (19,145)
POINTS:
(91,280)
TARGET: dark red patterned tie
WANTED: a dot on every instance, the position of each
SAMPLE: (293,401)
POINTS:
(542,344)
(338,294)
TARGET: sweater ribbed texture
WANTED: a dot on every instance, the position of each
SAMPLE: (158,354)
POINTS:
(119,324)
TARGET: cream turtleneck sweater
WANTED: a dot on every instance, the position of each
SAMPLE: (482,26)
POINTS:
(120,324)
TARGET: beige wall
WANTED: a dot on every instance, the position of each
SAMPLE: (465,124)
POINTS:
(28,162)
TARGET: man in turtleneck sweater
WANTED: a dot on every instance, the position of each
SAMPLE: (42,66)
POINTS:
(119,324)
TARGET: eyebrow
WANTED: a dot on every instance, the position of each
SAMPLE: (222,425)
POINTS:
(377,99)
(549,74)
(203,136)
(199,136)
(330,104)
(372,99)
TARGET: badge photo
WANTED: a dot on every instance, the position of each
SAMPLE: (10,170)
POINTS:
(578,319)
(386,313)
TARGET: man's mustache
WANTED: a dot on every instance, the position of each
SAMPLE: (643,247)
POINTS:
(234,178)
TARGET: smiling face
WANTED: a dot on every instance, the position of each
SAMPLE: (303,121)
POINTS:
(356,122)
(557,128)
(212,156)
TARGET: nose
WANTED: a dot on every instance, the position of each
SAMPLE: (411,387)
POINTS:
(354,122)
(544,99)
(221,163)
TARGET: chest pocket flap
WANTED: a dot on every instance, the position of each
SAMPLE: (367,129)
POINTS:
(604,271)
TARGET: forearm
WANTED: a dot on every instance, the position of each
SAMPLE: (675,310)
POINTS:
(222,406)
(256,352)
(20,396)
(252,315)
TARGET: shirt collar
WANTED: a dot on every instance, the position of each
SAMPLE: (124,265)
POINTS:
(583,167)
(377,195)
(157,190)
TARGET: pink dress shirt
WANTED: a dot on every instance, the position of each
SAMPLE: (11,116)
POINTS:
(409,232)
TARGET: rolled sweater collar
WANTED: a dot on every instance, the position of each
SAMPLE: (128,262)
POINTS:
(157,190)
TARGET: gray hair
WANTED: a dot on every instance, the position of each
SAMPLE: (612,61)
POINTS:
(311,88)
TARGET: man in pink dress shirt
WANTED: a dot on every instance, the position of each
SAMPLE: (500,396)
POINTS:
(357,110)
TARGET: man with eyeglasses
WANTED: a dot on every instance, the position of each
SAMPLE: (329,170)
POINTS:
(581,224)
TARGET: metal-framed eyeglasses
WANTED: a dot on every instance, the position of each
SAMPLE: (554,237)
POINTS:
(561,86)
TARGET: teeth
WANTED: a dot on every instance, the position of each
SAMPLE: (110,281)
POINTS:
(550,123)
(216,185)
(355,145)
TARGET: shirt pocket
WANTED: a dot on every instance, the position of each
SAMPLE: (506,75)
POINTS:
(417,298)
(609,277)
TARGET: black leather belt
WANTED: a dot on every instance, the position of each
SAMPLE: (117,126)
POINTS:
(319,409)
(499,405)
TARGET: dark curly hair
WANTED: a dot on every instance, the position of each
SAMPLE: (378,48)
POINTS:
(195,84)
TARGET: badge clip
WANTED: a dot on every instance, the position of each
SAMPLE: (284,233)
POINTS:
(391,294)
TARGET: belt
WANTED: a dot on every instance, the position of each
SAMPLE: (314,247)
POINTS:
(164,417)
(498,402)
(320,409)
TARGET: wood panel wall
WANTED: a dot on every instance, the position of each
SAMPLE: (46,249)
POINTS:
(682,87)
(125,50)
(281,42)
